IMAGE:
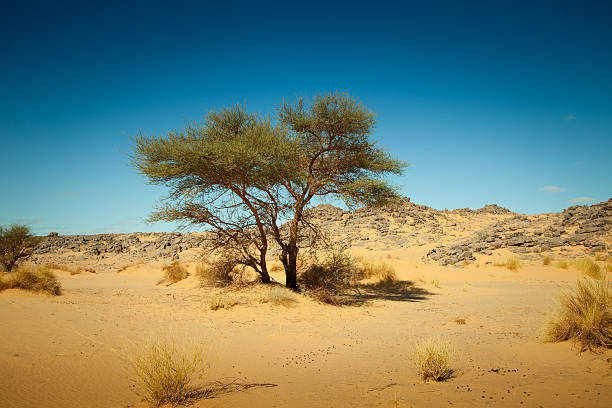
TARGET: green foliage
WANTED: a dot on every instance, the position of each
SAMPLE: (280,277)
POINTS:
(34,279)
(16,243)
(244,175)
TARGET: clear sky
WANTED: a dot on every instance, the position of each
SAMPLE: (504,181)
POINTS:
(491,102)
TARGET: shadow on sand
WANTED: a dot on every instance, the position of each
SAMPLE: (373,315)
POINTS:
(363,293)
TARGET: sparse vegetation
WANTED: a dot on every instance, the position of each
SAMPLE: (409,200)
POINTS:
(383,271)
(585,316)
(16,244)
(280,296)
(77,271)
(603,257)
(588,267)
(561,264)
(173,273)
(221,302)
(435,283)
(219,273)
(433,360)
(546,261)
(34,279)
(512,263)
(166,371)
(335,272)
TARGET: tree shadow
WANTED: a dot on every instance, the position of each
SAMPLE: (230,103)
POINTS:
(363,293)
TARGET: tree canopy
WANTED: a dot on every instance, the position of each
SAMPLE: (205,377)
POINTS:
(245,175)
(16,243)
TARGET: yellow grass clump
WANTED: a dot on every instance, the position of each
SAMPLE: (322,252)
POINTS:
(221,302)
(562,264)
(219,273)
(433,360)
(72,271)
(546,261)
(173,273)
(511,263)
(166,371)
(31,278)
(280,296)
(585,316)
(588,267)
(383,271)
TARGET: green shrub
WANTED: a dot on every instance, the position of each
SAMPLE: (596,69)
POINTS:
(34,279)
(585,316)
(433,360)
(16,243)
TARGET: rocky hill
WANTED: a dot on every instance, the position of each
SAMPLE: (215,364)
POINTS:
(447,237)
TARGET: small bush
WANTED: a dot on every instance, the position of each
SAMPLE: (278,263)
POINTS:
(561,264)
(588,267)
(513,263)
(16,244)
(166,371)
(280,296)
(585,316)
(335,272)
(546,261)
(219,273)
(173,273)
(34,279)
(603,257)
(433,360)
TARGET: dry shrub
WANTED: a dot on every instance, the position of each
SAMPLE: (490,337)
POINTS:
(433,360)
(335,272)
(221,302)
(546,260)
(219,273)
(585,316)
(34,279)
(562,264)
(513,263)
(173,273)
(166,371)
(603,257)
(588,267)
(280,296)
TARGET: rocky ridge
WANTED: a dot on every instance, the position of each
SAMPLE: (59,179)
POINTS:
(399,224)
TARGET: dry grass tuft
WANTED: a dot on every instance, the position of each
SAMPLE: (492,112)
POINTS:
(546,261)
(585,316)
(588,267)
(166,371)
(221,302)
(34,279)
(511,263)
(383,271)
(433,360)
(603,257)
(173,273)
(562,264)
(280,296)
(609,267)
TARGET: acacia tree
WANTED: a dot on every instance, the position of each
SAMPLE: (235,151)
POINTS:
(244,176)
(16,243)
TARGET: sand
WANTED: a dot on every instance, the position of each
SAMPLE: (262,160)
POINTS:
(73,350)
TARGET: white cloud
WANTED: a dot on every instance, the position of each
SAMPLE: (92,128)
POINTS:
(581,200)
(571,116)
(30,221)
(552,189)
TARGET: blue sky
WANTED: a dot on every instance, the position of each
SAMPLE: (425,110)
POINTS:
(492,102)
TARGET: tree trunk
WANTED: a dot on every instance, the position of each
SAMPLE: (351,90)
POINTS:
(265,276)
(290,264)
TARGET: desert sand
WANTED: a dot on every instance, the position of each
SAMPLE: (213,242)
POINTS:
(72,350)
